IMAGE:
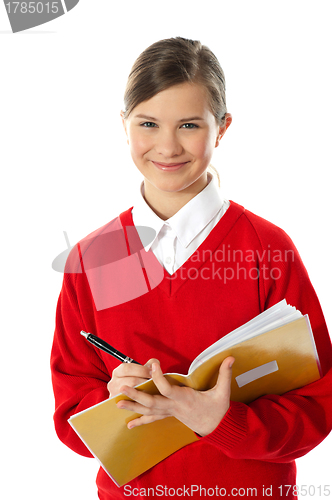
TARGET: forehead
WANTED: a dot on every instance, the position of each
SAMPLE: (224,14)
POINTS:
(178,101)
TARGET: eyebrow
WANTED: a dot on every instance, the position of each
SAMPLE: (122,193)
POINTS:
(155,119)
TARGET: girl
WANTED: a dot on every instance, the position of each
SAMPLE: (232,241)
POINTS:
(221,266)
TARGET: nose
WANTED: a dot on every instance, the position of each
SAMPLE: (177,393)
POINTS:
(168,144)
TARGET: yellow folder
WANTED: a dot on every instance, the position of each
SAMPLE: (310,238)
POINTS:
(273,362)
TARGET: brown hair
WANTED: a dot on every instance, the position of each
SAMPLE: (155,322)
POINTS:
(171,62)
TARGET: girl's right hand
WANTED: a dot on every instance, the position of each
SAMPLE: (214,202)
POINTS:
(130,374)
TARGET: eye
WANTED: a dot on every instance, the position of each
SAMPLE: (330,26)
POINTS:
(189,125)
(148,124)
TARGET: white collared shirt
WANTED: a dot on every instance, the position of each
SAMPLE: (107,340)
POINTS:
(178,237)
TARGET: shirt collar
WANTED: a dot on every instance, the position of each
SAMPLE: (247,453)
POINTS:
(189,221)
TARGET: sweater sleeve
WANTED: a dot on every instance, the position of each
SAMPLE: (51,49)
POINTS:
(282,428)
(79,376)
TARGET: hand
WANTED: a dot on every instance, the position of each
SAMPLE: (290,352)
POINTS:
(201,411)
(129,374)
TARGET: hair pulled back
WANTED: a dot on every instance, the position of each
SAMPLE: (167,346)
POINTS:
(171,62)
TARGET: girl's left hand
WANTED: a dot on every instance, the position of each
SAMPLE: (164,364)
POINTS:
(201,411)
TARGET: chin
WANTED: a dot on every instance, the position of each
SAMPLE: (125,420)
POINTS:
(173,187)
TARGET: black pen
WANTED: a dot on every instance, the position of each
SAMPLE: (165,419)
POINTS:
(104,346)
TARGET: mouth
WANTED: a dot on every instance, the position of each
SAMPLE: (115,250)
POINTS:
(169,167)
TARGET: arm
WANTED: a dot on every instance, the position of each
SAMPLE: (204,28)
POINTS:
(277,428)
(79,376)
(272,428)
(283,428)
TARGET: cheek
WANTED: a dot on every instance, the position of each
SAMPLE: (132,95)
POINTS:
(139,145)
(202,148)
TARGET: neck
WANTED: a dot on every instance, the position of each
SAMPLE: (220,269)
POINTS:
(167,203)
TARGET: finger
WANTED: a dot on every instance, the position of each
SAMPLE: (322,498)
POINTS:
(151,361)
(223,384)
(136,422)
(138,408)
(143,398)
(114,384)
(162,384)
(132,370)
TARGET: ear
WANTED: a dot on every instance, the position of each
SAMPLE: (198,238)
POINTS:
(124,124)
(223,128)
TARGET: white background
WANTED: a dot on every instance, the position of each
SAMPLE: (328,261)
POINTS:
(65,166)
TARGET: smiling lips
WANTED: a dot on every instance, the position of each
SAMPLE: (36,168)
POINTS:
(169,167)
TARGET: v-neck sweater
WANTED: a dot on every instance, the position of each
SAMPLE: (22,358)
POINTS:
(244,266)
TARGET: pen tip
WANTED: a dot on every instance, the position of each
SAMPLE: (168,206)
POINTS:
(82,332)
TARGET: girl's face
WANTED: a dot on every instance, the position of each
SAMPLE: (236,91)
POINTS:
(172,137)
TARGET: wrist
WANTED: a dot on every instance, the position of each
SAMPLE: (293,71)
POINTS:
(232,429)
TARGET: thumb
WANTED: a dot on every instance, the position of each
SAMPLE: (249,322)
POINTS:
(152,360)
(223,384)
(149,363)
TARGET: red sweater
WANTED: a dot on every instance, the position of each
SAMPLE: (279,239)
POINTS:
(243,267)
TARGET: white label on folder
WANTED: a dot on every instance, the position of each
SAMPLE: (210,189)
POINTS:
(256,373)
